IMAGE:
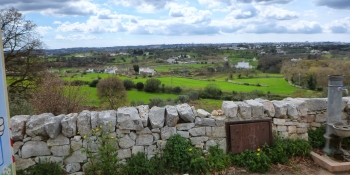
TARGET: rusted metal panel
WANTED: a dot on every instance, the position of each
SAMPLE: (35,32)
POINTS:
(248,135)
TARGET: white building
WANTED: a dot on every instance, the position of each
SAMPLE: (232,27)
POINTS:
(243,65)
(90,71)
(147,71)
(111,70)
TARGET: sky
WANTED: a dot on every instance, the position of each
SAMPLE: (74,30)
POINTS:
(98,23)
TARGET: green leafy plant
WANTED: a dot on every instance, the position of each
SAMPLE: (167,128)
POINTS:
(43,168)
(105,161)
(217,160)
(256,161)
(316,138)
(139,164)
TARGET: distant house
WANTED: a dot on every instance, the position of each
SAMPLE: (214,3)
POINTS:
(243,65)
(111,70)
(147,71)
(90,71)
(295,60)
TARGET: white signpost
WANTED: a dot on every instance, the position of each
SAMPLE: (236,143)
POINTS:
(7,166)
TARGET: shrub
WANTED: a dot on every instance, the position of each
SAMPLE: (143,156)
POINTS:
(136,103)
(78,83)
(182,157)
(193,95)
(19,106)
(139,86)
(44,168)
(94,83)
(316,138)
(139,164)
(256,161)
(156,102)
(211,91)
(111,92)
(152,85)
(177,90)
(183,98)
(217,160)
(128,84)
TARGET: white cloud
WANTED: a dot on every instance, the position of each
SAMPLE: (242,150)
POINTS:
(271,12)
(301,27)
(42,30)
(244,12)
(336,4)
(57,22)
(74,37)
(340,26)
(144,6)
(306,27)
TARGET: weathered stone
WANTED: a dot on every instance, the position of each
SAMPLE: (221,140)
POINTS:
(256,108)
(126,142)
(72,167)
(136,149)
(171,117)
(77,157)
(123,153)
(18,125)
(197,131)
(94,119)
(214,113)
(84,122)
(301,130)
(49,159)
(303,125)
(202,113)
(167,132)
(283,134)
(321,118)
(143,113)
(60,151)
(292,111)
(107,119)
(144,131)
(205,121)
(69,125)
(244,110)
(280,108)
(292,129)
(185,112)
(198,140)
(157,117)
(155,130)
(156,136)
(35,125)
(218,131)
(278,121)
(290,123)
(151,150)
(59,140)
(194,111)
(219,122)
(304,136)
(316,104)
(76,144)
(281,128)
(296,107)
(209,143)
(37,138)
(91,143)
(53,126)
(293,136)
(310,118)
(161,144)
(35,148)
(230,108)
(142,140)
(184,126)
(16,146)
(123,131)
(127,113)
(130,125)
(223,145)
(315,124)
(269,109)
(208,131)
(185,134)
(22,164)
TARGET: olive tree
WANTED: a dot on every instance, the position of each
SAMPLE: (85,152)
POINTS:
(111,92)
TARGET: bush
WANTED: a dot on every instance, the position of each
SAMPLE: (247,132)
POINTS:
(111,92)
(139,164)
(43,168)
(136,103)
(139,86)
(94,83)
(156,102)
(78,83)
(183,98)
(256,161)
(19,106)
(217,160)
(182,157)
(193,95)
(128,84)
(316,138)
(177,90)
(152,85)
(211,91)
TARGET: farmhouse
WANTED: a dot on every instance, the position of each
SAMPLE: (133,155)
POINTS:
(111,70)
(90,71)
(147,71)
(243,65)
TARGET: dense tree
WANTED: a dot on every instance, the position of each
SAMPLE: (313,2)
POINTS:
(136,68)
(270,64)
(152,85)
(22,46)
(139,86)
(112,93)
(128,84)
(211,91)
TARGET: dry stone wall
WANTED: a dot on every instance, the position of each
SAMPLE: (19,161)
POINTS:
(46,137)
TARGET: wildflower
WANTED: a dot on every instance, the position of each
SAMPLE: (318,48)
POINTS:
(257,154)
(92,130)
(100,126)
(97,129)
(190,149)
(78,132)
(109,125)
(84,136)
(259,149)
(160,141)
(112,137)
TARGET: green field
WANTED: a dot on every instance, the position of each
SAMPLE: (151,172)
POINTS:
(166,68)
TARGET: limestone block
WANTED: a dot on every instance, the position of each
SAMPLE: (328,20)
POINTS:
(127,113)
(229,108)
(197,131)
(16,146)
(301,130)
(321,118)
(145,139)
(69,125)
(157,117)
(185,112)
(310,118)
(35,148)
(58,160)
(198,140)
(126,142)
(316,104)
(296,107)
(283,134)
(136,149)
(205,121)
(171,117)
(202,113)
(143,113)
(53,126)
(185,134)
(107,119)
(278,121)
(280,108)
(223,145)
(76,144)
(18,126)
(292,129)
(133,135)
(315,124)
(130,125)
(184,126)
(94,119)
(208,131)
(60,151)
(194,111)
(290,123)
(84,123)
(303,125)
(22,164)
(218,131)
(156,136)
(256,108)
(281,128)
(144,131)
(123,154)
(77,157)
(167,132)
(269,109)
(244,110)
(209,143)
(35,125)
(151,150)
(59,140)
(72,167)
